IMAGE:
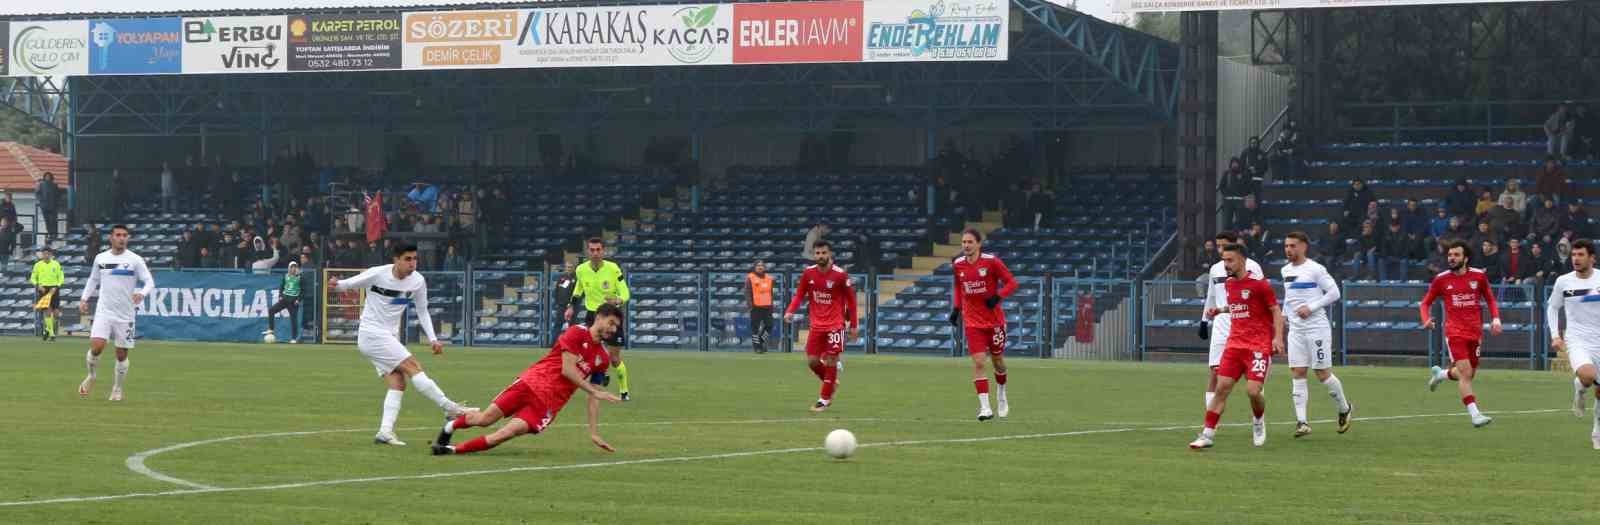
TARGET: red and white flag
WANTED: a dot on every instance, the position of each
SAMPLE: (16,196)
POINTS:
(376,223)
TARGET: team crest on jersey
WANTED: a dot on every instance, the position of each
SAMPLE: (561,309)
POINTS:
(1473,285)
(983,272)
(828,283)
(1244,294)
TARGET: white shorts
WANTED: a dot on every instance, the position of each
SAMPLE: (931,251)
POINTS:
(119,333)
(1579,354)
(1221,325)
(383,350)
(1311,348)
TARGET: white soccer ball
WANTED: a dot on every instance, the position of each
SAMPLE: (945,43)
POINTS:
(269,338)
(840,444)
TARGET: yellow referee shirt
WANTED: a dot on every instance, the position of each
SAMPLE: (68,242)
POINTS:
(594,286)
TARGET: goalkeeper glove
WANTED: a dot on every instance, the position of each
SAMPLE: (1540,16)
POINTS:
(992,301)
(955,317)
(1205,329)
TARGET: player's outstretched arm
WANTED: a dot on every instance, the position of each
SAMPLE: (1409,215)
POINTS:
(1277,329)
(143,272)
(569,371)
(1427,305)
(1486,290)
(420,302)
(1552,313)
(594,426)
(801,289)
(360,280)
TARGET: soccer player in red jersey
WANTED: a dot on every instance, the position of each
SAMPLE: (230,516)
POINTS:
(578,361)
(1465,291)
(1256,334)
(981,281)
(833,302)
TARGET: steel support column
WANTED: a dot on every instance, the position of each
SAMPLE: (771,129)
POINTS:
(1197,134)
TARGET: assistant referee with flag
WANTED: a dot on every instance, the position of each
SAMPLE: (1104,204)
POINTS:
(47,279)
(601,282)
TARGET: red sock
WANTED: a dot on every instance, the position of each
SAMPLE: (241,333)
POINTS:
(1000,378)
(1258,411)
(982,384)
(820,370)
(1452,375)
(477,444)
(829,379)
(460,423)
(1468,400)
(1212,418)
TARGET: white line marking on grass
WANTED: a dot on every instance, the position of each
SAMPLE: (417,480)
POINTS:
(601,464)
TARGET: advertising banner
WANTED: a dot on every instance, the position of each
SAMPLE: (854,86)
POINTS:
(248,44)
(1153,6)
(449,39)
(344,42)
(5,47)
(937,30)
(796,32)
(135,46)
(207,306)
(669,35)
(56,48)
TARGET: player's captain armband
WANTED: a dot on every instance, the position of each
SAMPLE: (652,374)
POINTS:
(600,379)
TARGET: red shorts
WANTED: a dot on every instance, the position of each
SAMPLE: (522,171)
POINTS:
(825,342)
(1463,349)
(519,402)
(1252,364)
(991,340)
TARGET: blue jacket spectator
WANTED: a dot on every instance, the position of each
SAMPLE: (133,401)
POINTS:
(425,196)
(1440,225)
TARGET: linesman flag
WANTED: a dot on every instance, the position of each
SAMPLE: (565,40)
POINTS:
(44,302)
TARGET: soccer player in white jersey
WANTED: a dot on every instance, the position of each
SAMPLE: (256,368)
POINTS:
(390,289)
(1307,292)
(1578,292)
(114,278)
(1216,327)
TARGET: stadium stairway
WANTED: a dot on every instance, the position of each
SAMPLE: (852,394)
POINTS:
(943,253)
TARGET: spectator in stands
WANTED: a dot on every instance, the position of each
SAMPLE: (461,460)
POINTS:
(1413,219)
(1042,203)
(1258,241)
(208,259)
(118,202)
(232,201)
(424,196)
(1249,214)
(1460,200)
(1233,185)
(1554,129)
(1357,201)
(453,261)
(192,179)
(1440,224)
(1015,206)
(169,189)
(1514,262)
(1519,199)
(1458,231)
(293,236)
(235,252)
(1437,262)
(1551,181)
(1366,256)
(91,240)
(1576,219)
(264,255)
(1504,220)
(1548,267)
(1255,161)
(8,239)
(1587,137)
(1546,225)
(1207,257)
(1332,245)
(188,251)
(47,198)
(374,255)
(428,242)
(1564,246)
(816,233)
(8,208)
(1569,135)
(1286,151)
(1396,250)
(1486,202)
(1492,261)
(1484,234)
(314,217)
(355,220)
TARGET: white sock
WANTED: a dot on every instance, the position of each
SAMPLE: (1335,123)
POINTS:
(1336,391)
(1444,374)
(1596,430)
(92,360)
(1473,410)
(1208,433)
(391,411)
(1258,420)
(1577,387)
(122,373)
(1298,392)
(983,401)
(450,427)
(1209,397)
(430,389)
(1000,391)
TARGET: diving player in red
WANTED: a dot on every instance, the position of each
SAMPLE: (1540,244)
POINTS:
(1256,333)
(833,301)
(1465,291)
(981,281)
(578,361)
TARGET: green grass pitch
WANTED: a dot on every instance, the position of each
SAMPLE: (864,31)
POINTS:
(727,438)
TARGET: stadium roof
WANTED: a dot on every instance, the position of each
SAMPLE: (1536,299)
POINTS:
(21,166)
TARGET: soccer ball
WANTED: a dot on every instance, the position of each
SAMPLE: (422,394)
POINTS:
(840,444)
(269,338)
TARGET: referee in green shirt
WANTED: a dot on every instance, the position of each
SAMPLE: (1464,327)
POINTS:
(600,282)
(47,279)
